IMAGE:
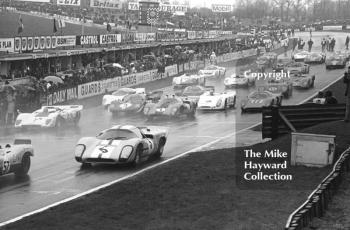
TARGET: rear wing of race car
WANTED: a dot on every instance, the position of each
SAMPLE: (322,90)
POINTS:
(22,142)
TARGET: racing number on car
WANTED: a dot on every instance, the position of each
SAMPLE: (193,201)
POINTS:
(102,151)
(6,166)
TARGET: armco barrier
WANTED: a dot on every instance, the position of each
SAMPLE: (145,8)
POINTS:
(319,199)
(277,120)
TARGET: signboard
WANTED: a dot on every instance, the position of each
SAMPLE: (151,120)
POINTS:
(30,43)
(68,2)
(36,43)
(110,39)
(18,44)
(114,4)
(42,43)
(53,42)
(7,44)
(220,8)
(48,42)
(62,96)
(47,1)
(88,40)
(332,27)
(63,41)
(89,89)
(24,44)
(162,7)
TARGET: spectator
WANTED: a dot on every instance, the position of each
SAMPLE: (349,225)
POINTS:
(323,44)
(346,80)
(310,43)
(347,42)
(330,99)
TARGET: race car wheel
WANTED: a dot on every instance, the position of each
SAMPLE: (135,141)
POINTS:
(192,113)
(24,167)
(242,110)
(234,103)
(59,122)
(137,158)
(160,147)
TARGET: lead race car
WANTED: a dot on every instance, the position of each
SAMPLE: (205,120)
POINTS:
(15,158)
(50,116)
(172,107)
(120,94)
(256,100)
(217,101)
(121,144)
(212,71)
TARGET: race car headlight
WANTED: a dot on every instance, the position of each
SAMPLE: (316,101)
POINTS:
(219,102)
(126,152)
(79,150)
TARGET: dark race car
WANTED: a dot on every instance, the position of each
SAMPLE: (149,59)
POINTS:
(133,103)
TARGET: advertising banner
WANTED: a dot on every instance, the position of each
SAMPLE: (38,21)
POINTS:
(111,84)
(191,35)
(220,8)
(128,80)
(42,43)
(88,40)
(7,44)
(110,39)
(90,89)
(53,42)
(128,37)
(45,1)
(36,43)
(68,2)
(18,44)
(24,44)
(150,37)
(63,41)
(62,96)
(180,68)
(162,7)
(170,70)
(113,4)
(332,28)
(133,6)
(140,37)
(48,42)
(30,43)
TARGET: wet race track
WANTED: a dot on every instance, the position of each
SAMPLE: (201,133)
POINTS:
(55,175)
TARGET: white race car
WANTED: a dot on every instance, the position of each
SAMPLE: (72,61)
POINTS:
(315,57)
(121,144)
(239,80)
(297,67)
(300,56)
(50,116)
(212,71)
(217,101)
(15,158)
(120,94)
(181,82)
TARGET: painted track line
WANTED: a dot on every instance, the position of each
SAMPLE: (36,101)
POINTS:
(145,169)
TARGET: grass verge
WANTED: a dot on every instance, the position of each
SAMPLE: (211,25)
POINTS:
(198,191)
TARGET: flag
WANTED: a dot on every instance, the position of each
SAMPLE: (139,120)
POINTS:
(109,27)
(54,26)
(152,15)
(20,25)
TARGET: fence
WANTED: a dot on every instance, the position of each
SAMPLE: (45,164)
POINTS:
(281,120)
(318,200)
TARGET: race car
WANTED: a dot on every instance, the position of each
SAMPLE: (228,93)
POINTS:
(314,57)
(15,158)
(345,53)
(297,67)
(133,103)
(212,71)
(300,56)
(335,61)
(120,94)
(172,107)
(194,92)
(281,65)
(121,144)
(240,80)
(256,100)
(216,101)
(181,82)
(303,81)
(50,116)
(278,87)
(265,61)
(154,96)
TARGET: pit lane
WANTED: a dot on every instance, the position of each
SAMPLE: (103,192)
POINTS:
(54,174)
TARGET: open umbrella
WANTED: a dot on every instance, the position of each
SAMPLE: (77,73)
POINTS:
(54,79)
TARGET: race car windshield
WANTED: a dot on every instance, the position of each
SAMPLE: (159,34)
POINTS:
(115,134)
(193,91)
(168,101)
(134,99)
(210,68)
(122,92)
(258,96)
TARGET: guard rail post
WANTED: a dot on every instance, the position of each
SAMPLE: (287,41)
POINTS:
(275,121)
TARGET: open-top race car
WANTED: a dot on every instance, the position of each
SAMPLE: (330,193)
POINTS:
(170,107)
(133,103)
(15,158)
(50,116)
(216,101)
(335,61)
(266,60)
(281,65)
(154,96)
(300,56)
(278,87)
(297,67)
(240,80)
(120,94)
(256,100)
(315,57)
(345,53)
(194,92)
(304,81)
(181,82)
(121,144)
(212,71)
